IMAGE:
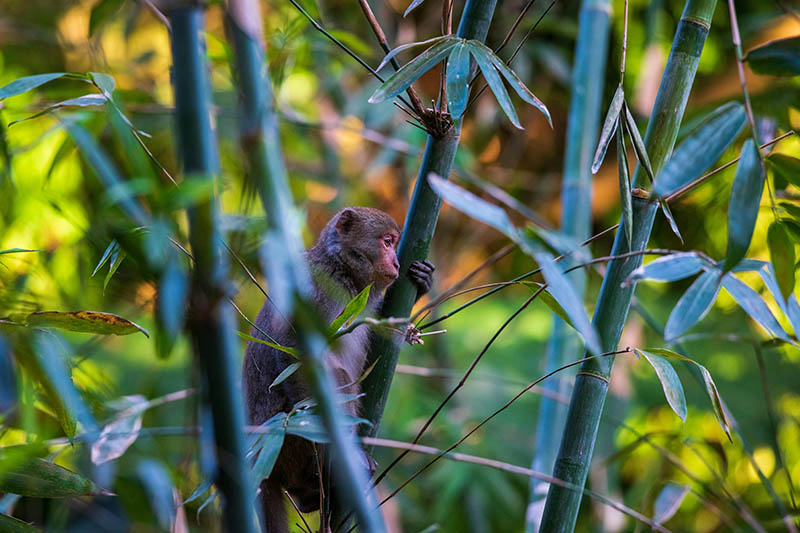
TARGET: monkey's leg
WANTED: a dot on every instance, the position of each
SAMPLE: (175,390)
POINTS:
(273,507)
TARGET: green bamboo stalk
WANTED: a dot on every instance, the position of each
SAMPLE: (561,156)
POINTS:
(211,321)
(588,76)
(261,144)
(417,233)
(591,384)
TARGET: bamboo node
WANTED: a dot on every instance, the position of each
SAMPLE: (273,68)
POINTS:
(598,376)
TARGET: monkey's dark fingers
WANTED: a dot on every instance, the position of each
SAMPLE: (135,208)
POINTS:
(422,266)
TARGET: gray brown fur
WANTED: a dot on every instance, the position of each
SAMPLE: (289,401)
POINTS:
(351,253)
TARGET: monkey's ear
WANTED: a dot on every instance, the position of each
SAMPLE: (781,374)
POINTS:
(346,221)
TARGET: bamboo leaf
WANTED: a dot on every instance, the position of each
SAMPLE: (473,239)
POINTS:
(669,268)
(353,308)
(119,434)
(670,218)
(173,292)
(748,184)
(710,386)
(483,58)
(624,186)
(701,148)
(555,307)
(110,249)
(413,70)
(564,293)
(693,305)
(412,6)
(638,143)
(669,501)
(8,379)
(403,47)
(17,251)
(285,349)
(514,81)
(777,58)
(104,82)
(268,446)
(670,382)
(286,374)
(457,78)
(787,167)
(781,254)
(609,126)
(9,524)
(86,100)
(159,489)
(471,205)
(754,305)
(21,85)
(85,322)
(42,479)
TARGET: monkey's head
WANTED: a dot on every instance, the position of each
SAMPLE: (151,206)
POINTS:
(362,240)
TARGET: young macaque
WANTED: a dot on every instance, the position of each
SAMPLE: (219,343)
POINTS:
(355,249)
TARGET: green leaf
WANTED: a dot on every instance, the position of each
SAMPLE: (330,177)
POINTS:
(104,82)
(110,249)
(471,205)
(285,349)
(286,374)
(85,322)
(609,126)
(514,81)
(267,446)
(789,306)
(669,268)
(669,501)
(624,186)
(748,184)
(353,308)
(564,293)
(17,251)
(638,144)
(781,254)
(393,53)
(754,305)
(457,78)
(670,382)
(777,58)
(482,55)
(9,524)
(670,218)
(555,307)
(412,6)
(701,148)
(413,70)
(116,260)
(21,85)
(42,479)
(173,292)
(787,167)
(693,305)
(791,209)
(86,100)
(711,387)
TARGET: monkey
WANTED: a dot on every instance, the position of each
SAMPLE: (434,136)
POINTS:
(356,248)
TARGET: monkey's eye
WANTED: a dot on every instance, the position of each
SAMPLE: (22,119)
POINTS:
(388,240)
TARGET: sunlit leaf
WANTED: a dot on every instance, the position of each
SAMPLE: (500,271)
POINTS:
(555,307)
(85,322)
(562,290)
(119,434)
(484,61)
(785,166)
(471,205)
(609,126)
(624,187)
(513,80)
(669,501)
(781,254)
(285,349)
(670,268)
(42,479)
(776,58)
(748,184)
(413,70)
(17,251)
(638,144)
(693,305)
(351,311)
(708,381)
(670,382)
(21,85)
(701,148)
(457,78)
(753,305)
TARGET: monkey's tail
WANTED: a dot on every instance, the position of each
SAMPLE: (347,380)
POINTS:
(273,507)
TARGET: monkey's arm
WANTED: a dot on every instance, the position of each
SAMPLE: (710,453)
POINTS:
(421,274)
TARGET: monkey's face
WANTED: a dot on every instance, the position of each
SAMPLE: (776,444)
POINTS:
(368,238)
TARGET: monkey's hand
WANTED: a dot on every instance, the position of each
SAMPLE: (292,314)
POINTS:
(421,274)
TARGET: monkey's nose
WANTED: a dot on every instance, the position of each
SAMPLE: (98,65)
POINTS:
(396,265)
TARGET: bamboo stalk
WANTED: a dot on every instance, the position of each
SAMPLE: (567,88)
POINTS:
(418,231)
(588,75)
(261,144)
(211,321)
(591,384)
